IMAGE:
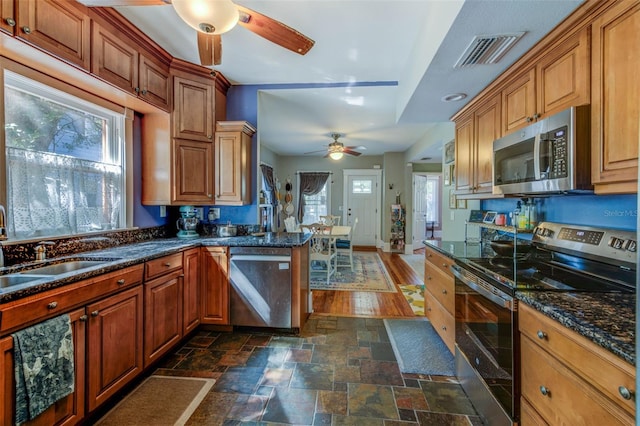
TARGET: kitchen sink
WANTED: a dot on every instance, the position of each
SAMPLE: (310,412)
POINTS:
(62,268)
(11,280)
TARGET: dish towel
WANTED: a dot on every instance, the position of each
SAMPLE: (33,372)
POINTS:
(43,366)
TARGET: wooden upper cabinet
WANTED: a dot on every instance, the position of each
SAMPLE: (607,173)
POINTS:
(62,28)
(116,60)
(615,110)
(475,134)
(7,16)
(193,171)
(559,79)
(193,114)
(233,162)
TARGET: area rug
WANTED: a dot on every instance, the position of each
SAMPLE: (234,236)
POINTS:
(159,400)
(414,293)
(418,348)
(416,262)
(369,274)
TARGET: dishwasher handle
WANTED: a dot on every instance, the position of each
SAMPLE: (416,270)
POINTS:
(496,296)
(260,258)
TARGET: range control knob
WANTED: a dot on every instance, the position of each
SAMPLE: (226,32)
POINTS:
(616,243)
(631,245)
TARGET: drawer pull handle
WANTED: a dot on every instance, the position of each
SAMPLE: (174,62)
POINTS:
(52,305)
(120,281)
(625,393)
(444,328)
(95,313)
(541,334)
(168,264)
(545,391)
(83,318)
(10,22)
(444,291)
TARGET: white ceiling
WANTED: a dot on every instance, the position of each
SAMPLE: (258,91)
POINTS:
(377,72)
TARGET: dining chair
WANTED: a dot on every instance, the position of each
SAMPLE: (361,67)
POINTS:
(322,249)
(330,219)
(344,246)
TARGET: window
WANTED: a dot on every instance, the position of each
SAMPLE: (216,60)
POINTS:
(64,159)
(317,205)
(427,198)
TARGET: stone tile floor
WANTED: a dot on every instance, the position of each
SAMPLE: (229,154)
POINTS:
(338,371)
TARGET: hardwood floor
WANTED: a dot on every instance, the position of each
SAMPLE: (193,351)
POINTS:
(370,304)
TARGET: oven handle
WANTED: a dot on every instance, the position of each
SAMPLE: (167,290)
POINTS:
(505,302)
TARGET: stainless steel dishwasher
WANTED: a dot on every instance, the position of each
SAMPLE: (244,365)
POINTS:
(260,286)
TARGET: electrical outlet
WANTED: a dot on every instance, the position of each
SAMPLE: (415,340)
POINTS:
(200,213)
(216,212)
(163,211)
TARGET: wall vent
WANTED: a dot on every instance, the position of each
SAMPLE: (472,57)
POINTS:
(487,49)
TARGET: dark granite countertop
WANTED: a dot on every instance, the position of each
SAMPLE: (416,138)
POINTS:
(607,319)
(122,256)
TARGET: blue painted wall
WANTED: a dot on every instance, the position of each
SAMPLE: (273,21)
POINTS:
(608,211)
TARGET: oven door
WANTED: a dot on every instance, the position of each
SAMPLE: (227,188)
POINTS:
(486,337)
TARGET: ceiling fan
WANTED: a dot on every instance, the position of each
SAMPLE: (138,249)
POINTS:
(336,150)
(210,18)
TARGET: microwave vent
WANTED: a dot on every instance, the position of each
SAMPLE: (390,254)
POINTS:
(487,49)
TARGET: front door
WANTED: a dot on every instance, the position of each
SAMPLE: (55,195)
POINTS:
(362,201)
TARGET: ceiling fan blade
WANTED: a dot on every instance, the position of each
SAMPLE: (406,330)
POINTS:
(356,147)
(351,152)
(114,3)
(274,31)
(209,48)
(315,152)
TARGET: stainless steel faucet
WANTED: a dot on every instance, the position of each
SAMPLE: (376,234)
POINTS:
(41,249)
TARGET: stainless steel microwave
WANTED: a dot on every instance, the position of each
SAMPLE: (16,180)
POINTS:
(550,156)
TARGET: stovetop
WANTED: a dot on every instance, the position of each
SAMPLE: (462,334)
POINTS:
(566,258)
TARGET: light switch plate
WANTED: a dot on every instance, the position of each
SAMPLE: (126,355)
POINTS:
(163,211)
(200,212)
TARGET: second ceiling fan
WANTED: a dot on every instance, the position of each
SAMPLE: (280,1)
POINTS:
(336,150)
(211,18)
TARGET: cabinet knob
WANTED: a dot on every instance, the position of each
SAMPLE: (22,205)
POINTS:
(625,393)
(529,119)
(541,334)
(428,254)
(83,318)
(444,328)
(26,30)
(209,195)
(144,91)
(444,291)
(536,115)
(10,22)
(209,136)
(52,305)
(120,281)
(545,391)
(95,313)
(444,265)
(136,89)
(429,277)
(429,309)
(167,264)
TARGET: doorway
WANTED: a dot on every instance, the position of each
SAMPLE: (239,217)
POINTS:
(361,199)
(427,208)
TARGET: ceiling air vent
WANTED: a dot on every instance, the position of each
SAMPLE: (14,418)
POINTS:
(487,49)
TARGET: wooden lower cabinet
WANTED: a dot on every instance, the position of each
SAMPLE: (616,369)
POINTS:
(191,290)
(67,411)
(215,286)
(114,344)
(162,315)
(439,295)
(567,379)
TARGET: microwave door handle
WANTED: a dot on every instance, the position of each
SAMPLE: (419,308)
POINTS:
(536,155)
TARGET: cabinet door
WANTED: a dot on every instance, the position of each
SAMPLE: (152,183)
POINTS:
(487,129)
(563,75)
(614,107)
(193,171)
(519,102)
(114,347)
(162,315)
(114,60)
(62,28)
(193,103)
(464,156)
(67,411)
(7,16)
(191,291)
(154,83)
(215,291)
(228,168)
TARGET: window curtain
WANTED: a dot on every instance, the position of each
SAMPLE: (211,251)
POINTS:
(270,182)
(310,184)
(52,194)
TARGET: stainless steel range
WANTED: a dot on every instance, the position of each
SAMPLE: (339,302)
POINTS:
(566,258)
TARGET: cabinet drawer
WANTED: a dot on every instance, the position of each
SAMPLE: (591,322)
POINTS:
(440,285)
(560,396)
(36,308)
(439,260)
(597,366)
(163,265)
(443,322)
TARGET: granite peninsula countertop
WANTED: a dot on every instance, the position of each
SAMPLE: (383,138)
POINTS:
(607,319)
(122,256)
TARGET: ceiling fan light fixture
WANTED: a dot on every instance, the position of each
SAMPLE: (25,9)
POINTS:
(336,155)
(207,16)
